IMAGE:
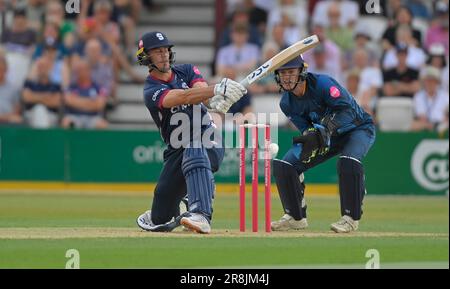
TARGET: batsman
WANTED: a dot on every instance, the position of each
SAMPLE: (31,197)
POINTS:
(176,96)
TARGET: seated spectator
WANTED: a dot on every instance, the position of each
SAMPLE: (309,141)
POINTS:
(403,16)
(84,102)
(257,17)
(127,16)
(35,10)
(267,84)
(320,64)
(51,36)
(438,31)
(42,97)
(293,16)
(9,97)
(416,57)
(362,40)
(19,43)
(19,38)
(101,68)
(332,51)
(278,36)
(431,102)
(349,13)
(240,17)
(352,84)
(401,80)
(55,13)
(371,81)
(341,35)
(59,69)
(436,57)
(239,58)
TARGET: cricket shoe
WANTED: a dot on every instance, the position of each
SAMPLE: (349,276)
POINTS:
(287,223)
(144,222)
(345,225)
(197,223)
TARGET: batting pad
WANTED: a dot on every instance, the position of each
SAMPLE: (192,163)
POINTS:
(199,180)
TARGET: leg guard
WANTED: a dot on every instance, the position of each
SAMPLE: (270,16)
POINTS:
(199,180)
(290,188)
(351,186)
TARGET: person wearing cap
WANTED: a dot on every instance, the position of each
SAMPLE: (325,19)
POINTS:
(401,80)
(437,58)
(330,123)
(431,102)
(177,97)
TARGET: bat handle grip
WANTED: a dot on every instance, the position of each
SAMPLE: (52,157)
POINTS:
(244,82)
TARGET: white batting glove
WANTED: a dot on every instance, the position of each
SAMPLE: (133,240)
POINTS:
(230,89)
(219,104)
(214,101)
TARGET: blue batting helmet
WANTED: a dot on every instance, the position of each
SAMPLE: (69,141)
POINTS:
(150,40)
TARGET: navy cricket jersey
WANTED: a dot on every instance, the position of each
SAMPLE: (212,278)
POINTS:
(323,96)
(184,76)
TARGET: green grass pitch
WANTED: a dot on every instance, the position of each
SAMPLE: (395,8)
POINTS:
(36,230)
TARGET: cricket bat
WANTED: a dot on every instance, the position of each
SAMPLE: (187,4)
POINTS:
(280,59)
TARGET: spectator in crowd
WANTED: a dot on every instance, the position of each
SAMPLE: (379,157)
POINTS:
(35,10)
(101,69)
(127,16)
(293,16)
(333,53)
(278,36)
(392,8)
(352,84)
(416,57)
(403,17)
(51,36)
(18,41)
(267,84)
(108,30)
(436,57)
(240,17)
(240,57)
(54,13)
(321,64)
(84,102)
(438,30)
(42,97)
(236,61)
(341,35)
(431,102)
(257,17)
(349,13)
(9,97)
(401,80)
(362,40)
(371,81)
(19,38)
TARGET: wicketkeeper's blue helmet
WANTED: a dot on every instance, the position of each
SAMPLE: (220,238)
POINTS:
(297,62)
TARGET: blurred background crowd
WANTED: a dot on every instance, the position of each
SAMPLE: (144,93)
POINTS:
(78,70)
